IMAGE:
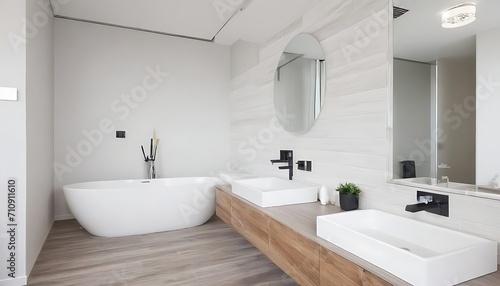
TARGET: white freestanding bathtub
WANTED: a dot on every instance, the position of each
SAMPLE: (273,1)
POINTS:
(130,207)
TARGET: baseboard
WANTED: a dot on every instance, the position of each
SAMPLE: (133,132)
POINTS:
(64,217)
(18,281)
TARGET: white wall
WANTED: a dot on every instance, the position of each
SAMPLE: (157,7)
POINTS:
(457,118)
(186,98)
(13,134)
(244,55)
(412,117)
(40,130)
(349,141)
(488,102)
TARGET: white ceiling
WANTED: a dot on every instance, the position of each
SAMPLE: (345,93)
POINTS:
(418,34)
(221,21)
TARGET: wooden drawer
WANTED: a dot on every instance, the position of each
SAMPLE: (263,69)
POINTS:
(223,205)
(338,271)
(294,254)
(250,223)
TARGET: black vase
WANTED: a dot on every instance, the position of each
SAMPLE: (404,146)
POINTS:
(348,202)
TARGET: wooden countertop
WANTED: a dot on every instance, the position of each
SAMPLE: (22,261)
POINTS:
(302,219)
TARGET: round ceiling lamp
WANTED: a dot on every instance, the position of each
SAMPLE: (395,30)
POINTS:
(459,15)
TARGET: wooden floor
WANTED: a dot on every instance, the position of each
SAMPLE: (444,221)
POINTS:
(211,254)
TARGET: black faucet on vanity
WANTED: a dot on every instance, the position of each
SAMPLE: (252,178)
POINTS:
(429,202)
(286,156)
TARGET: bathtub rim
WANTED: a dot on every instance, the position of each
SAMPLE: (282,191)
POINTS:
(131,183)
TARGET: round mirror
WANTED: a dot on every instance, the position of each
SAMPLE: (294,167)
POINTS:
(299,84)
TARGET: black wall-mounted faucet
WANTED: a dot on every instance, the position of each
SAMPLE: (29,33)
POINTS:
(429,202)
(286,156)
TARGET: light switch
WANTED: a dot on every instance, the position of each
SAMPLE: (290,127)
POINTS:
(8,93)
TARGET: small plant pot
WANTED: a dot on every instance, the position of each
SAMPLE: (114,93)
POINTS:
(348,202)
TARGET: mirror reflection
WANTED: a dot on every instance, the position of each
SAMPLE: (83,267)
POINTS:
(299,84)
(444,95)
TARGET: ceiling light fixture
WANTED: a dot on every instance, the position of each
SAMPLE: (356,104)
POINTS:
(459,15)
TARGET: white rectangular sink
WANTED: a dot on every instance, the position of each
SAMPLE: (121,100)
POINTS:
(419,253)
(270,191)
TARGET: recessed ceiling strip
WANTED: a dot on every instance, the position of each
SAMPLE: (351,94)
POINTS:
(132,28)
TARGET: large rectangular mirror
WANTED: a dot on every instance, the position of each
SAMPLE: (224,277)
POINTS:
(446,97)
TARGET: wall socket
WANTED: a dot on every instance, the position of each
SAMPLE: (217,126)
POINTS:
(120,134)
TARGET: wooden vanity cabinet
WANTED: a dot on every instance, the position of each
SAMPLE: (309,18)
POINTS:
(223,205)
(294,254)
(251,223)
(338,271)
(301,258)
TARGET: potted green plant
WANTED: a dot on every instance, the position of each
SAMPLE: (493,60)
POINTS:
(349,196)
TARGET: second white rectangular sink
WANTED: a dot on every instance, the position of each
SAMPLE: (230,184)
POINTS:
(271,191)
(419,253)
